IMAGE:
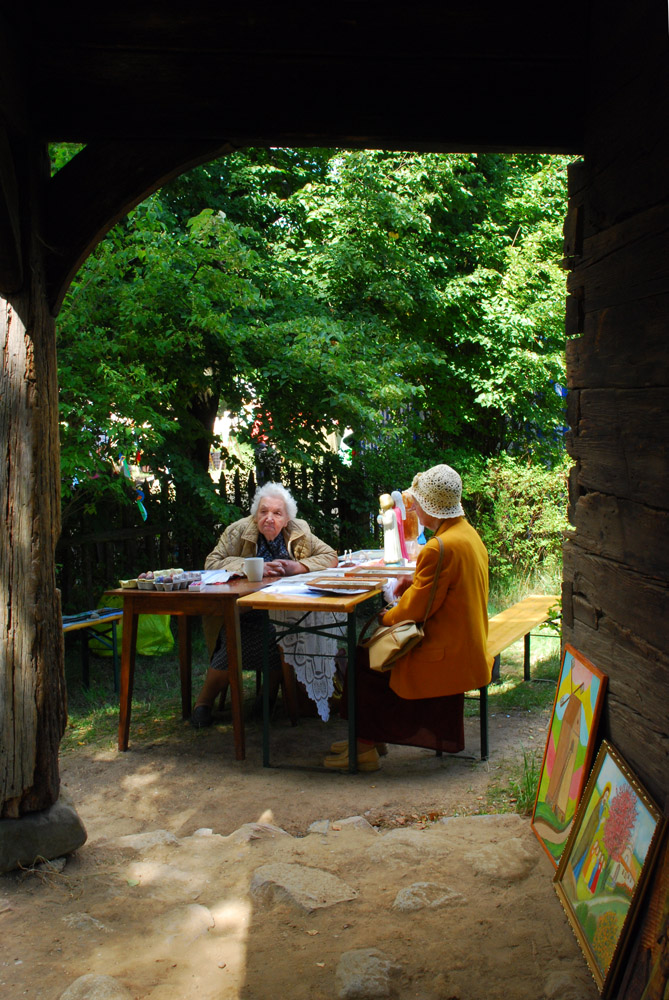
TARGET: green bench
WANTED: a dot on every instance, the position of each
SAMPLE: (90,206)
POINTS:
(88,623)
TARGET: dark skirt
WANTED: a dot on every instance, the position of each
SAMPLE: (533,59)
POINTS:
(384,717)
(250,630)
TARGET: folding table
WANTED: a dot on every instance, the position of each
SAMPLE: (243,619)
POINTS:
(344,604)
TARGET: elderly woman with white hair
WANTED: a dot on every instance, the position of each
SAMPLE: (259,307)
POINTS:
(288,546)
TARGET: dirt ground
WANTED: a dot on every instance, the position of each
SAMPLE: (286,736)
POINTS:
(175,915)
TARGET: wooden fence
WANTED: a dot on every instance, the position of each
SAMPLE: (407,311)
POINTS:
(96,550)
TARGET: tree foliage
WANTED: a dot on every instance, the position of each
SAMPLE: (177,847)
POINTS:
(415,298)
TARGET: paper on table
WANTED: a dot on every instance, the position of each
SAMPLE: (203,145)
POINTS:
(210,576)
(293,587)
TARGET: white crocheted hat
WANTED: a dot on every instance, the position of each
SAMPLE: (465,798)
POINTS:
(438,491)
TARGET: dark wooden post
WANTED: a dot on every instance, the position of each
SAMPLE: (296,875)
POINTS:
(615,592)
(32,685)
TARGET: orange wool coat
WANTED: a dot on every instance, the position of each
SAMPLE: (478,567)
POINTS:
(452,657)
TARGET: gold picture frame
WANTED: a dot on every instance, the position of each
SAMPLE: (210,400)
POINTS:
(570,745)
(604,867)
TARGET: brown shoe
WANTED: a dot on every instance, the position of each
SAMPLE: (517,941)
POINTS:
(341,746)
(368,760)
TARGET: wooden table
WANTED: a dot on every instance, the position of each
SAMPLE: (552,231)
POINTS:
(344,604)
(220,599)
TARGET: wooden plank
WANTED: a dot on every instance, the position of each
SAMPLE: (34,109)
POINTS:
(635,603)
(621,439)
(633,666)
(621,346)
(352,29)
(11,262)
(515,622)
(625,262)
(625,165)
(14,81)
(90,622)
(32,680)
(643,744)
(620,529)
(634,716)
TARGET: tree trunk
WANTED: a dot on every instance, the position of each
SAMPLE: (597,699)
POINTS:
(32,683)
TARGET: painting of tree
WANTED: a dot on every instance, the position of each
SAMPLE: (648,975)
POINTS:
(619,824)
(605,862)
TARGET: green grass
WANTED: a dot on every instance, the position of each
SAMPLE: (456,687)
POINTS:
(156,700)
(156,705)
(514,787)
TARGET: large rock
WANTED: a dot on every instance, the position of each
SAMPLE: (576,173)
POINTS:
(401,845)
(506,861)
(426,895)
(308,888)
(44,835)
(91,987)
(365,974)
(255,831)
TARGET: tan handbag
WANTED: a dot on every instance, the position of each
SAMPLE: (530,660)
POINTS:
(389,643)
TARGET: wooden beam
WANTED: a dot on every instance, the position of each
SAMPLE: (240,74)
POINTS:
(608,352)
(620,437)
(14,122)
(11,263)
(618,530)
(97,188)
(32,679)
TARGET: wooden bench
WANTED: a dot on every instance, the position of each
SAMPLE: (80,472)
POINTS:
(517,623)
(504,629)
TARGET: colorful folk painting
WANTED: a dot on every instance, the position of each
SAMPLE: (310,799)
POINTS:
(607,856)
(569,748)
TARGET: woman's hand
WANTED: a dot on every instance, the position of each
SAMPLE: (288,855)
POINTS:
(284,567)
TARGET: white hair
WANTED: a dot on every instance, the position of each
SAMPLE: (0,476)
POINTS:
(275,490)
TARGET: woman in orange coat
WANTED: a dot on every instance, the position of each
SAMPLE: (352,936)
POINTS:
(420,701)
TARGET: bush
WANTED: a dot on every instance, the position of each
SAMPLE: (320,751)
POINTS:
(520,511)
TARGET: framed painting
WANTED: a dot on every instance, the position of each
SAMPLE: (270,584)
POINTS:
(569,749)
(647,964)
(605,863)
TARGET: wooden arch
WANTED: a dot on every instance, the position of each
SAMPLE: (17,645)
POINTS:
(153,92)
(97,188)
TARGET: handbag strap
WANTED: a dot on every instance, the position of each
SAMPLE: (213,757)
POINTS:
(435,579)
(433,590)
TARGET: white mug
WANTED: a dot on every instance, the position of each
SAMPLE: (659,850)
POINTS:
(254,569)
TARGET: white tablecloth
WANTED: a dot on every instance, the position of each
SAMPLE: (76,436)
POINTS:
(312,656)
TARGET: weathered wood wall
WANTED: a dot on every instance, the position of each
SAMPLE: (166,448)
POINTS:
(32,680)
(616,591)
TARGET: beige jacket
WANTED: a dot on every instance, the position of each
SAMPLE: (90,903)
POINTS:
(240,540)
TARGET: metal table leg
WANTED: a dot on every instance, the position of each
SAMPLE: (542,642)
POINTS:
(265,689)
(350,681)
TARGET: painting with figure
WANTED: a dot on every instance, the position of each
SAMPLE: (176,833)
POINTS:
(606,861)
(569,748)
